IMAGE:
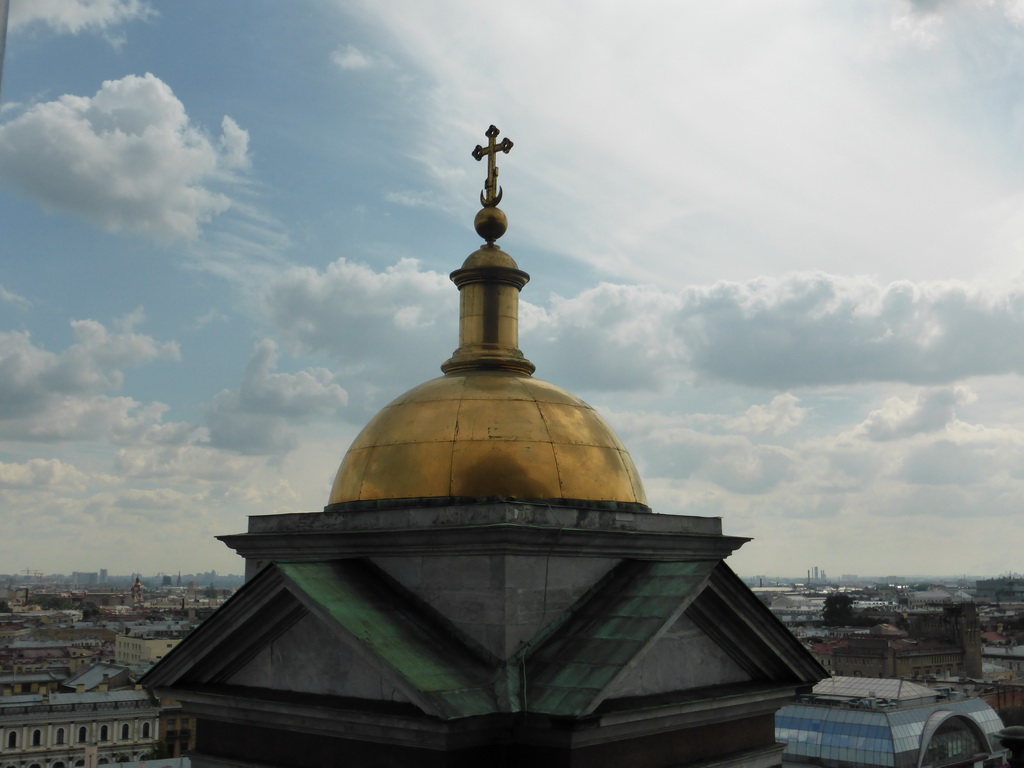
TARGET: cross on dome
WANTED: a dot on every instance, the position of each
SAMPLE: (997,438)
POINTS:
(491,194)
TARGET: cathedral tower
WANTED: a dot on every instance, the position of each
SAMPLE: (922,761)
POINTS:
(487,585)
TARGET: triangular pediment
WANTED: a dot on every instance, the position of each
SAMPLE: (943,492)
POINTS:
(345,629)
(683,658)
(336,628)
(744,628)
(657,628)
(308,658)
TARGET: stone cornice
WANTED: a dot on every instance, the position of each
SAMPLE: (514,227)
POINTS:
(507,527)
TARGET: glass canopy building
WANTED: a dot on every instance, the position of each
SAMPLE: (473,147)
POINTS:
(858,721)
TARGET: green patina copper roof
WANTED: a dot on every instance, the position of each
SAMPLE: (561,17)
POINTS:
(437,668)
(566,670)
(566,673)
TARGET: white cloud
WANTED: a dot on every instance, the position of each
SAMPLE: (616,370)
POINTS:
(259,416)
(831,471)
(802,330)
(186,464)
(49,396)
(43,473)
(738,466)
(349,57)
(211,316)
(78,418)
(92,364)
(234,144)
(1014,10)
(413,199)
(924,23)
(778,417)
(918,23)
(727,152)
(930,411)
(75,16)
(674,448)
(377,323)
(10,297)
(945,462)
(575,338)
(127,159)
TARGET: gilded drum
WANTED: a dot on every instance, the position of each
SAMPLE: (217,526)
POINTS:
(487,434)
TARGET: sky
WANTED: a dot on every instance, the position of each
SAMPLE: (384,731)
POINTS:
(778,245)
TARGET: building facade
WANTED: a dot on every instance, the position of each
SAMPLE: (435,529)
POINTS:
(52,730)
(1005,590)
(133,650)
(946,642)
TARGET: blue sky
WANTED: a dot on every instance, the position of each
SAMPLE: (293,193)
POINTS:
(777,244)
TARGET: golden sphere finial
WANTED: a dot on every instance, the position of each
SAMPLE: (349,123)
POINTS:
(490,223)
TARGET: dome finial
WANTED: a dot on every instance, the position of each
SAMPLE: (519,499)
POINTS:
(490,223)
(489,283)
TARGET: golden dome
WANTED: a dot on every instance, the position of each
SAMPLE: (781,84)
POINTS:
(487,428)
(487,434)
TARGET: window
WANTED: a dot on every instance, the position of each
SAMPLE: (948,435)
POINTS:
(59,739)
(12,740)
(952,741)
(145,730)
(104,733)
(37,737)
(124,732)
(81,734)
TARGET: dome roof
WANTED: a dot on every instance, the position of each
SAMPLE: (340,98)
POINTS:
(487,433)
(487,428)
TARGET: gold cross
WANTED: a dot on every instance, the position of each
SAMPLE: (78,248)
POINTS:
(491,194)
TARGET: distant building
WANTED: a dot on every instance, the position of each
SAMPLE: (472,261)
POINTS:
(797,610)
(1009,659)
(142,650)
(53,729)
(851,721)
(937,596)
(29,681)
(177,730)
(943,643)
(1000,590)
(98,677)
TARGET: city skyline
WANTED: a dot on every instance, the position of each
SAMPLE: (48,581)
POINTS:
(777,245)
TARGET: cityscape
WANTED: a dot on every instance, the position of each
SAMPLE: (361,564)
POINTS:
(71,642)
(280,486)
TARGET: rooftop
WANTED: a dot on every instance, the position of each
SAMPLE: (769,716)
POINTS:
(855,690)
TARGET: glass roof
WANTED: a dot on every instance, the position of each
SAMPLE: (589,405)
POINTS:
(889,735)
(867,687)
